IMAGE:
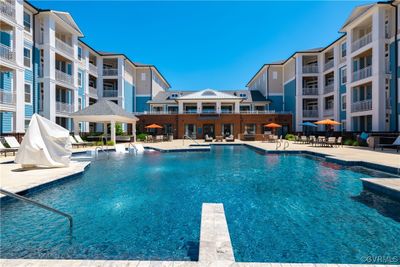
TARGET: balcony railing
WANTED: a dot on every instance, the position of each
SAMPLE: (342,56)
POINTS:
(328,88)
(195,112)
(110,93)
(313,113)
(63,46)
(92,91)
(328,64)
(310,91)
(361,105)
(92,68)
(110,72)
(328,112)
(62,107)
(362,73)
(6,53)
(7,97)
(361,42)
(310,68)
(7,9)
(64,77)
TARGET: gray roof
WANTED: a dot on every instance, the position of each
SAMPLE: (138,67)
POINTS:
(104,108)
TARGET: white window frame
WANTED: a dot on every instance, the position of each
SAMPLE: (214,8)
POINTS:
(343,70)
(341,49)
(30,57)
(80,82)
(81,56)
(341,102)
(30,21)
(27,125)
(31,92)
(143,76)
(275,75)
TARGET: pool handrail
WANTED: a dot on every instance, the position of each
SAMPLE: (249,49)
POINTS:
(188,137)
(102,149)
(33,202)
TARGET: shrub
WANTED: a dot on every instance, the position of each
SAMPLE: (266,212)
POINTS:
(356,143)
(290,137)
(141,136)
(118,129)
(348,142)
(110,143)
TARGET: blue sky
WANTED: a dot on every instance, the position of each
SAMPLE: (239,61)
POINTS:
(199,45)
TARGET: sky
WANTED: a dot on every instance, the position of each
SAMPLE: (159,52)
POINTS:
(198,45)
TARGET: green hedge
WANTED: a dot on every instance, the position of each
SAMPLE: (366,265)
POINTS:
(290,137)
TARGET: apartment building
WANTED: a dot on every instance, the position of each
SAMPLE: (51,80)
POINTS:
(47,68)
(353,80)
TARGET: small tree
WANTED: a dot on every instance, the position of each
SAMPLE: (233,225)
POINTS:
(118,129)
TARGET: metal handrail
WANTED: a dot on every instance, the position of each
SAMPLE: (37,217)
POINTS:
(133,146)
(8,193)
(102,149)
(188,137)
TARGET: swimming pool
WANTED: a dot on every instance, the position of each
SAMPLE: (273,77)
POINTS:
(279,208)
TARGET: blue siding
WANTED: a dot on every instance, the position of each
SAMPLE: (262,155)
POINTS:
(342,90)
(6,119)
(129,96)
(6,81)
(276,103)
(289,90)
(141,104)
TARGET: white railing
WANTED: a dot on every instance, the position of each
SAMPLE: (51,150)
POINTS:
(63,46)
(310,91)
(110,72)
(328,112)
(7,97)
(64,107)
(92,68)
(110,93)
(361,42)
(361,105)
(209,111)
(362,73)
(328,64)
(7,9)
(92,91)
(6,53)
(328,88)
(313,113)
(64,77)
(195,112)
(310,68)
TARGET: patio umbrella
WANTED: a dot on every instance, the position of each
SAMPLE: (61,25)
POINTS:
(328,122)
(308,124)
(153,126)
(273,125)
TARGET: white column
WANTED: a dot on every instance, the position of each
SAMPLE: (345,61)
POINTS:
(237,107)
(218,107)
(100,77)
(299,93)
(349,71)
(180,107)
(105,128)
(134,131)
(113,131)
(76,127)
(336,93)
(199,107)
(121,82)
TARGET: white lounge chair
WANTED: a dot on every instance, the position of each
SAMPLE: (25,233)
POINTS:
(4,150)
(73,141)
(79,140)
(12,142)
(395,144)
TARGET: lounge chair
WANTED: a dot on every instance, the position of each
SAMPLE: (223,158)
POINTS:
(4,150)
(230,138)
(74,142)
(331,141)
(207,138)
(12,142)
(79,140)
(303,139)
(339,141)
(395,144)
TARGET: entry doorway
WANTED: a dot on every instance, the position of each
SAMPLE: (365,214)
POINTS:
(227,129)
(208,129)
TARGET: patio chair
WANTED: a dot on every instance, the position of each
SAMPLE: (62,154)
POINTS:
(331,141)
(74,142)
(79,140)
(4,150)
(11,142)
(208,138)
(230,138)
(320,140)
(159,138)
(395,144)
(339,141)
(303,139)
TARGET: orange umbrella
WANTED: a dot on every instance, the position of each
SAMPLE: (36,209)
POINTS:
(328,122)
(273,125)
(153,126)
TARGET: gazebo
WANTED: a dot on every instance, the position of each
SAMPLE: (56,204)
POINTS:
(105,111)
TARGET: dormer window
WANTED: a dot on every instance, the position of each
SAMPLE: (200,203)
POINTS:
(242,95)
(174,95)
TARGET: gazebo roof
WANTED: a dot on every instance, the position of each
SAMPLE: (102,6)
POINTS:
(104,111)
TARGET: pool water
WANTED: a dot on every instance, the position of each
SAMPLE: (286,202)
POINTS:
(279,208)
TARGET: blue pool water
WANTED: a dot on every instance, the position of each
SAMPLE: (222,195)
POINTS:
(286,208)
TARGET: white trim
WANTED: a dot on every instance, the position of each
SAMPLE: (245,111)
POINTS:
(30,23)
(275,94)
(31,93)
(288,81)
(143,96)
(30,57)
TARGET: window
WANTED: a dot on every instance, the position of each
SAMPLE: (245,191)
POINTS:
(27,22)
(274,75)
(28,93)
(79,53)
(250,128)
(80,79)
(143,76)
(343,102)
(343,76)
(27,121)
(79,103)
(27,57)
(343,49)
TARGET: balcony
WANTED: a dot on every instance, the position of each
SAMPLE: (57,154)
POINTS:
(7,97)
(312,113)
(62,107)
(328,88)
(64,47)
(92,92)
(362,73)
(359,106)
(328,112)
(361,42)
(329,64)
(310,68)
(6,53)
(110,93)
(310,91)
(7,9)
(110,72)
(64,77)
(92,68)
